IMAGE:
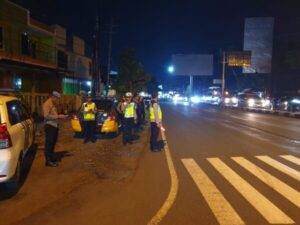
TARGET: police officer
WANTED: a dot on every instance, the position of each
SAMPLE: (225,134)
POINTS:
(129,119)
(156,123)
(89,111)
(51,127)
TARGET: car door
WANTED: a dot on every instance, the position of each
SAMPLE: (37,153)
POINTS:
(28,126)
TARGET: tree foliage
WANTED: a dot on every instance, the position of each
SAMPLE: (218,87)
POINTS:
(131,74)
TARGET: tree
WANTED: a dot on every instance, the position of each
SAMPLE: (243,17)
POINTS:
(132,76)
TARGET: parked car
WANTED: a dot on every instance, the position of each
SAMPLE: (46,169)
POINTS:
(107,118)
(16,138)
(289,103)
(254,101)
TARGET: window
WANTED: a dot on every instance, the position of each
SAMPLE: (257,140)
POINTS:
(17,112)
(62,59)
(25,43)
(1,38)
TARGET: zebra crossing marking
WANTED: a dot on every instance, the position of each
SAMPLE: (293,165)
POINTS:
(280,166)
(288,192)
(224,212)
(291,158)
(265,207)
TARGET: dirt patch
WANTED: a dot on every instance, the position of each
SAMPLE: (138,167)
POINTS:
(107,160)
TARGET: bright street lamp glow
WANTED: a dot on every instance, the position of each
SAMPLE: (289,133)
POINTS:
(171,69)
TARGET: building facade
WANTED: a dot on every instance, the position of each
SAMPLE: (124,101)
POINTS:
(35,57)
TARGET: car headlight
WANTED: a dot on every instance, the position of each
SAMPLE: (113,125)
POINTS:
(265,102)
(234,100)
(227,100)
(296,101)
(251,102)
(195,99)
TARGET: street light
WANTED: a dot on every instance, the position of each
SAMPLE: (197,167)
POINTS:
(171,69)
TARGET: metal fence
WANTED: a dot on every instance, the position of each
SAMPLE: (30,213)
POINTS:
(67,103)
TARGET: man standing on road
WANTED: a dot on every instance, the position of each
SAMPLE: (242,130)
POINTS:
(89,111)
(129,119)
(51,127)
(156,123)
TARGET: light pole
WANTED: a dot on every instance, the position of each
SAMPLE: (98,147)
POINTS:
(223,72)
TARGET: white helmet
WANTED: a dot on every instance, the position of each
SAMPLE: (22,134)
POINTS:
(128,94)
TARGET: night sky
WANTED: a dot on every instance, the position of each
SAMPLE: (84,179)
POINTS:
(158,29)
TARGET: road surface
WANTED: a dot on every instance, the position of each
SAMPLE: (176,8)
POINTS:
(227,167)
(234,167)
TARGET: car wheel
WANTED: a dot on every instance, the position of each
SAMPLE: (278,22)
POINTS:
(15,181)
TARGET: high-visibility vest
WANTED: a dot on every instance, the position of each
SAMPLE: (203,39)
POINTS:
(152,115)
(129,110)
(89,115)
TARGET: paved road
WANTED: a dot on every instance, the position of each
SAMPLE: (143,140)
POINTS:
(234,167)
(231,167)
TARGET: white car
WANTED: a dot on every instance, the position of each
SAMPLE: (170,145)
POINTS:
(16,137)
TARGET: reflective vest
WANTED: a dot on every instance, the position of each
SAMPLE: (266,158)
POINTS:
(129,110)
(152,114)
(89,115)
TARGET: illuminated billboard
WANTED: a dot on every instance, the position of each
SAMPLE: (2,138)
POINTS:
(192,64)
(258,39)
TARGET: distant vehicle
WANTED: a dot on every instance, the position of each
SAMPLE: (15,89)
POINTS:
(289,103)
(230,100)
(212,95)
(107,118)
(254,101)
(17,132)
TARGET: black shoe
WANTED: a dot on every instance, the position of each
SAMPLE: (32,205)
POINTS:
(55,160)
(156,150)
(94,140)
(51,164)
(85,141)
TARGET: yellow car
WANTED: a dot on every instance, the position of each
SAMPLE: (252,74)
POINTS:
(106,118)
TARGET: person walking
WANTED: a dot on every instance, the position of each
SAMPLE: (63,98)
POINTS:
(156,123)
(129,119)
(89,111)
(51,120)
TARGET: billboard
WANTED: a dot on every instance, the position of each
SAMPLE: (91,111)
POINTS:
(239,58)
(192,64)
(258,38)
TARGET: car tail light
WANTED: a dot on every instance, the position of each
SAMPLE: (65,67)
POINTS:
(74,117)
(5,140)
(111,117)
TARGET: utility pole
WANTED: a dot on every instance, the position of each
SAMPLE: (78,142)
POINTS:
(223,72)
(109,51)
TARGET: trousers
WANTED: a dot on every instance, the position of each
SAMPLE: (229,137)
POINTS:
(51,134)
(89,129)
(154,136)
(127,130)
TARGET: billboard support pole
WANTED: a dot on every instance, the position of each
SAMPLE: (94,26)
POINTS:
(223,72)
(191,84)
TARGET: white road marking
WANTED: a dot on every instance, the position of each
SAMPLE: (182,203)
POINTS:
(288,192)
(221,208)
(280,166)
(162,212)
(266,208)
(292,159)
